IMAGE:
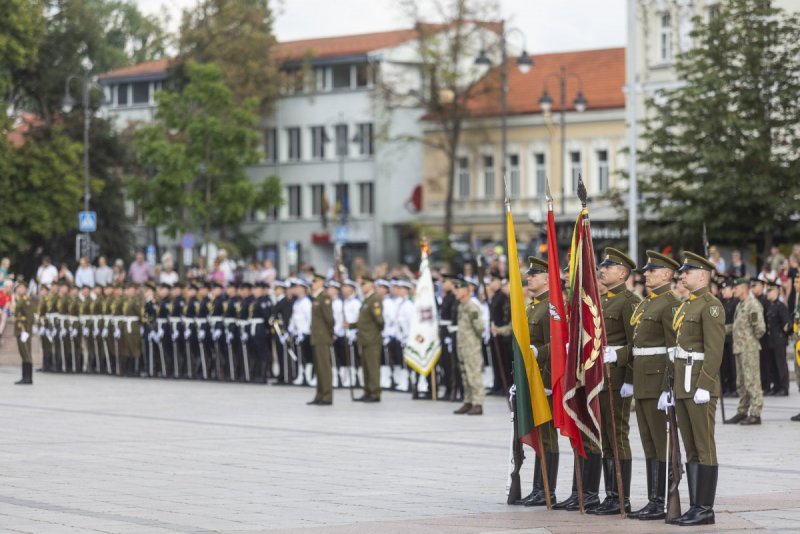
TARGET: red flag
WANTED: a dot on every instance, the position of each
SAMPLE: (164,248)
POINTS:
(558,341)
(583,379)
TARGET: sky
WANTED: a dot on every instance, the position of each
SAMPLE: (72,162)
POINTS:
(548,25)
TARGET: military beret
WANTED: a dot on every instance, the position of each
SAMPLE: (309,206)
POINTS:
(536,265)
(245,285)
(695,261)
(617,257)
(739,281)
(656,260)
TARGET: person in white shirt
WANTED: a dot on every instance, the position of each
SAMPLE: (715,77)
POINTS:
(84,275)
(300,330)
(405,315)
(47,272)
(351,305)
(103,275)
(383,288)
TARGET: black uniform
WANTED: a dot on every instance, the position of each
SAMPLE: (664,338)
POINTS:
(260,337)
(190,337)
(165,333)
(500,314)
(245,340)
(728,368)
(217,331)
(151,356)
(178,351)
(776,316)
(449,322)
(281,314)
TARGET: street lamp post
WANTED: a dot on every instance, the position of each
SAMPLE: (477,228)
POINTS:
(546,103)
(524,63)
(68,104)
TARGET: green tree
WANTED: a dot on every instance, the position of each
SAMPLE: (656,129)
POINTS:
(21,29)
(198,149)
(722,149)
(237,36)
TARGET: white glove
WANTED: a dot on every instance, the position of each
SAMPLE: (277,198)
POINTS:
(244,337)
(160,334)
(385,341)
(201,334)
(665,400)
(701,396)
(626,390)
(117,333)
(62,332)
(175,335)
(548,392)
(35,330)
(216,335)
(105,332)
(486,337)
(85,332)
(141,330)
(23,336)
(609,355)
(511,392)
(96,332)
(74,332)
(535,352)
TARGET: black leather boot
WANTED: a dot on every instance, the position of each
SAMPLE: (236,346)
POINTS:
(691,481)
(702,510)
(538,485)
(27,375)
(610,504)
(592,469)
(627,471)
(657,471)
(572,500)
(552,474)
(650,494)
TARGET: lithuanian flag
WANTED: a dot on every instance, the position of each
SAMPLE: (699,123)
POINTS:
(532,407)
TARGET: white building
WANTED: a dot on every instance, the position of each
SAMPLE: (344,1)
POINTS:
(331,140)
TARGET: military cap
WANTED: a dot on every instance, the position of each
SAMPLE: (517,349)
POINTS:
(773,284)
(245,285)
(20,281)
(458,283)
(178,285)
(536,265)
(366,278)
(695,261)
(739,281)
(656,260)
(262,284)
(193,285)
(404,284)
(382,282)
(150,285)
(617,257)
(757,281)
(351,283)
(164,285)
(318,276)
(333,283)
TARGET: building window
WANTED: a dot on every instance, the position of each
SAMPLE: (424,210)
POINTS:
(541,173)
(295,201)
(270,145)
(575,169)
(295,152)
(365,139)
(341,76)
(366,198)
(513,175)
(342,197)
(712,12)
(602,170)
(321,78)
(122,94)
(462,177)
(488,176)
(342,143)
(272,213)
(318,140)
(666,37)
(294,81)
(317,195)
(141,93)
(364,75)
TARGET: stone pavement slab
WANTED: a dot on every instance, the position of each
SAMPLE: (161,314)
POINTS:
(114,455)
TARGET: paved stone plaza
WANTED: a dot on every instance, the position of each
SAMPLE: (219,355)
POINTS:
(105,454)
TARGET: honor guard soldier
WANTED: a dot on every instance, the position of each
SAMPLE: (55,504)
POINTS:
(351,309)
(243,327)
(23,326)
(189,338)
(177,302)
(322,340)
(748,328)
(149,326)
(448,319)
(203,338)
(653,340)
(217,328)
(44,327)
(281,316)
(370,328)
(85,310)
(405,315)
(538,313)
(74,333)
(618,305)
(260,313)
(130,323)
(300,328)
(700,334)
(469,342)
(164,335)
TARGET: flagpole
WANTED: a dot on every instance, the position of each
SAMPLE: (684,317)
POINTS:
(579,349)
(607,368)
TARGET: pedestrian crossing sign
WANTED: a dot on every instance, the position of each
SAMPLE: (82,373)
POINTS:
(87,221)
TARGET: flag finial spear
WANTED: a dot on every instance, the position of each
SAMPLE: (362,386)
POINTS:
(582,191)
(506,201)
(547,196)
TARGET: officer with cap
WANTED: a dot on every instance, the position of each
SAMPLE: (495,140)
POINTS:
(700,335)
(322,340)
(538,313)
(370,328)
(618,305)
(748,328)
(653,340)
(469,341)
(23,326)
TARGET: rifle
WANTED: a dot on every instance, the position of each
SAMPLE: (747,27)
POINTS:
(517,455)
(675,465)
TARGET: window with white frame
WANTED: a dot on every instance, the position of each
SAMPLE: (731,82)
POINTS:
(666,37)
(141,92)
(295,201)
(122,94)
(342,142)
(317,196)
(575,169)
(488,176)
(513,175)
(366,198)
(365,74)
(270,145)
(341,76)
(318,140)
(366,143)
(602,171)
(541,172)
(462,178)
(321,79)
(293,136)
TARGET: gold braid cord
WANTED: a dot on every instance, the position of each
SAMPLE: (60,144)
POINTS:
(596,342)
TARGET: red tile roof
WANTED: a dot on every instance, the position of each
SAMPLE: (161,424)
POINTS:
(148,67)
(602,73)
(22,125)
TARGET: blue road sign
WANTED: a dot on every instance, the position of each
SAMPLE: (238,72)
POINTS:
(342,234)
(187,241)
(87,221)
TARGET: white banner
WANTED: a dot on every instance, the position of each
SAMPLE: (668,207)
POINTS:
(423,347)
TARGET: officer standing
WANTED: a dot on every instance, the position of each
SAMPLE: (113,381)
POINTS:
(618,305)
(728,369)
(261,311)
(448,318)
(748,328)
(45,317)
(700,335)
(538,313)
(776,316)
(321,341)
(469,342)
(281,316)
(23,325)
(370,340)
(653,339)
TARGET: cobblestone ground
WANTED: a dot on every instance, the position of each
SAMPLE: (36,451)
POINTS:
(106,454)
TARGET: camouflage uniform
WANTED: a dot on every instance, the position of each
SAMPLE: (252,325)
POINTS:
(748,328)
(469,345)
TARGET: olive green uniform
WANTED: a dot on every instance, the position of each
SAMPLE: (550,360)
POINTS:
(370,341)
(538,312)
(87,333)
(653,338)
(45,308)
(321,342)
(132,309)
(23,322)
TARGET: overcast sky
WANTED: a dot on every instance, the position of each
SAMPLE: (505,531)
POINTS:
(548,25)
